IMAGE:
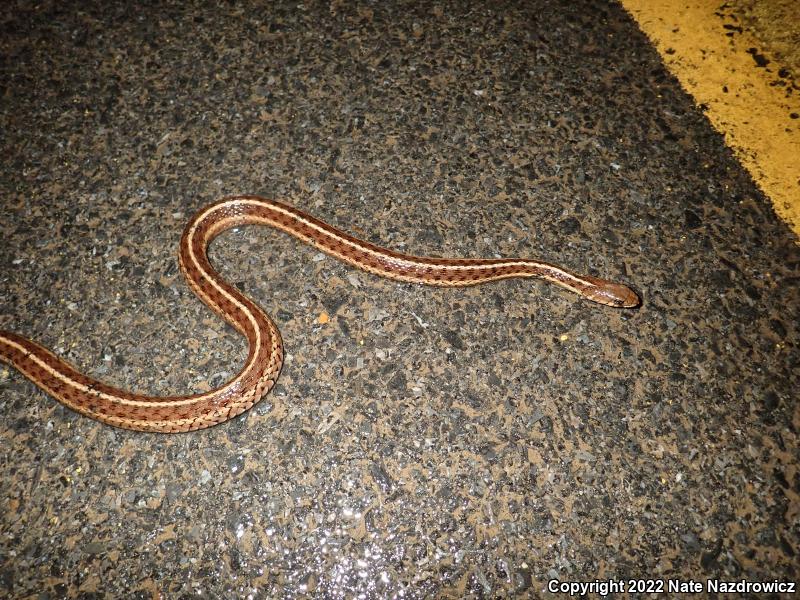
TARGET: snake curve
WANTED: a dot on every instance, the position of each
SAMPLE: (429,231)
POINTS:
(129,410)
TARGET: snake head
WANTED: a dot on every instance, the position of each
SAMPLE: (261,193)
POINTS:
(613,294)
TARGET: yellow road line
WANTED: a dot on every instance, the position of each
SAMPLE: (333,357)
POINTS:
(752,106)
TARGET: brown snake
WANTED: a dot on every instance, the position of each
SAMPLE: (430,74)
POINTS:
(265,357)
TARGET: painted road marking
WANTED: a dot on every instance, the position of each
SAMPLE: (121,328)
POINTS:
(746,100)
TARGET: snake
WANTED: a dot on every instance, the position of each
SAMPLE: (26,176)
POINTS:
(168,414)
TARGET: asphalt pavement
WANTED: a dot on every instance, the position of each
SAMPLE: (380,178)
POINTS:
(420,442)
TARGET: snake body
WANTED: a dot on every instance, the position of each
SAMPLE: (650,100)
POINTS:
(121,408)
